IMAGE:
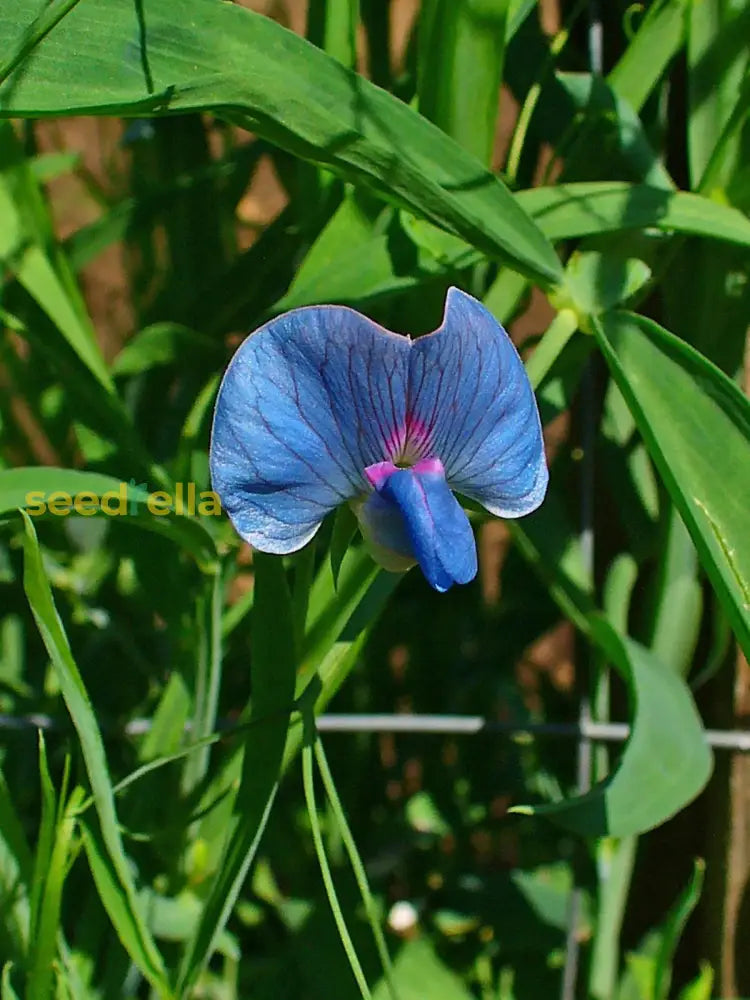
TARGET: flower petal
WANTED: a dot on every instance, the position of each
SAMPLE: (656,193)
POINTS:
(471,405)
(307,403)
(424,519)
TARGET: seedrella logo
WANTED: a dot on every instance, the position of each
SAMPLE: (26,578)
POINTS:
(128,499)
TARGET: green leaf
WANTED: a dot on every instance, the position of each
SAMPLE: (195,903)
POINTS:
(127,502)
(461,54)
(717,56)
(344,529)
(700,988)
(659,36)
(166,344)
(272,681)
(15,874)
(332,26)
(355,258)
(696,425)
(649,969)
(596,281)
(169,64)
(7,992)
(25,237)
(130,924)
(666,761)
(47,929)
(419,973)
(44,844)
(610,121)
(591,208)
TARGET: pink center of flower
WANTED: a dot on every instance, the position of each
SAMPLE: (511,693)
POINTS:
(378,473)
(408,443)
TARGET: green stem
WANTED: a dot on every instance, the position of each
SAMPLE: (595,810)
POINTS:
(557,335)
(532,97)
(338,916)
(304,571)
(357,865)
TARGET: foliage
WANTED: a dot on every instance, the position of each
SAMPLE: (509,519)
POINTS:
(181,858)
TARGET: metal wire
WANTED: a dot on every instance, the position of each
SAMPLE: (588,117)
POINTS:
(735,740)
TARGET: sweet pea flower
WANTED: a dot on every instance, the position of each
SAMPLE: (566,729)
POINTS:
(322,406)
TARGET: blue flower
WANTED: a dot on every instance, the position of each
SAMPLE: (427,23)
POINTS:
(322,406)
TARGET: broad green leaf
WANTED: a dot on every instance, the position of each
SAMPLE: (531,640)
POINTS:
(356,260)
(461,53)
(665,763)
(587,209)
(168,63)
(593,208)
(130,924)
(696,424)
(38,488)
(273,667)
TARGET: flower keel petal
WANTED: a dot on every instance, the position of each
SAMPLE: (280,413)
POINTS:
(413,512)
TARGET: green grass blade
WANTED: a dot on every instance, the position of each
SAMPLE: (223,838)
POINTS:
(330,887)
(16,868)
(7,992)
(143,949)
(357,865)
(41,973)
(717,55)
(332,26)
(25,241)
(344,122)
(45,840)
(272,680)
(659,37)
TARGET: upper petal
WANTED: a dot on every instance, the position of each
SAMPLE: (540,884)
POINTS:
(307,403)
(471,405)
